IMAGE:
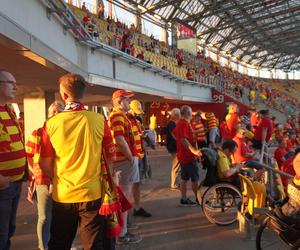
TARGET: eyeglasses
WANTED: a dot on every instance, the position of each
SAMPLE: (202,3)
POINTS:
(10,82)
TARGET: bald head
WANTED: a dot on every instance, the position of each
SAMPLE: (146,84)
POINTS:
(5,75)
(8,87)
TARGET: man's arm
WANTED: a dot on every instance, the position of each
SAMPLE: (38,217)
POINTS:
(47,154)
(231,171)
(108,147)
(121,142)
(189,147)
(46,164)
(4,182)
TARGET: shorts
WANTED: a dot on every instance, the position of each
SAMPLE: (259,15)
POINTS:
(213,133)
(190,171)
(141,168)
(129,173)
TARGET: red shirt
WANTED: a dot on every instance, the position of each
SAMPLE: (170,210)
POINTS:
(278,155)
(225,133)
(242,149)
(287,167)
(289,145)
(184,130)
(264,123)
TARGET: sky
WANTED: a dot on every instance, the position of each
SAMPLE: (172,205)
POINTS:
(127,18)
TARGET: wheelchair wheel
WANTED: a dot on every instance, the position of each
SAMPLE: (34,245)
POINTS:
(268,238)
(220,203)
(296,246)
(201,191)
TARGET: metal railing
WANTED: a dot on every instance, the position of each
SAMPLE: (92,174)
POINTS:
(72,24)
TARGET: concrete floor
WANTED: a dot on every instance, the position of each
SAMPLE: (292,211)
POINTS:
(170,227)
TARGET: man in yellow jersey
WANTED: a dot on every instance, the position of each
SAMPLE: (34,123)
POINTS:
(126,155)
(12,160)
(71,148)
(138,130)
(227,170)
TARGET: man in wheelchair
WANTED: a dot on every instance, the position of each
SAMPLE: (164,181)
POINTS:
(226,170)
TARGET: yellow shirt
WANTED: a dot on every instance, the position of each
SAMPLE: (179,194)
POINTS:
(223,164)
(76,137)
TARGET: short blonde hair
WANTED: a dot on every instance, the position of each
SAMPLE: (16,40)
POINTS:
(73,84)
(55,108)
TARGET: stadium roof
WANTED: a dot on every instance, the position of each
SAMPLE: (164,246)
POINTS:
(265,33)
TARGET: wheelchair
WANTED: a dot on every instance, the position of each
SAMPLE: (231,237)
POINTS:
(278,232)
(221,202)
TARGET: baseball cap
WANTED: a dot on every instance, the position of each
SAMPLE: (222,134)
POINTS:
(122,93)
(136,107)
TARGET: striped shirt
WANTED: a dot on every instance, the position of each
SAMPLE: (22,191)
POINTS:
(199,126)
(12,153)
(33,149)
(212,121)
(121,126)
(137,135)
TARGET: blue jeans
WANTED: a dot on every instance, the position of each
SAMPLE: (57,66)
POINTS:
(9,199)
(44,206)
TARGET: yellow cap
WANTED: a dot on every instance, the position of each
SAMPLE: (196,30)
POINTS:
(136,107)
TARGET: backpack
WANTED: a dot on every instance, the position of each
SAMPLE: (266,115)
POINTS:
(209,162)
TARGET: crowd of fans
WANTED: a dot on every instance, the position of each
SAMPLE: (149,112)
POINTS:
(237,141)
(200,68)
(75,166)
(76,158)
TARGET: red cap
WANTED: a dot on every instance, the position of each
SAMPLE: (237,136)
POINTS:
(122,93)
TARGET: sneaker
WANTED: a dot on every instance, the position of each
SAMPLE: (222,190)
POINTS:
(141,212)
(132,226)
(129,238)
(187,202)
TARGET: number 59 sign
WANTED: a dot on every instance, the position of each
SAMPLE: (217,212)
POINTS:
(218,98)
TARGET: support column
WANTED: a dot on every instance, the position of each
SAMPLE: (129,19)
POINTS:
(110,9)
(35,111)
(164,35)
(174,35)
(137,20)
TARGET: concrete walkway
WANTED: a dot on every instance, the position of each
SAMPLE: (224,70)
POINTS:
(171,226)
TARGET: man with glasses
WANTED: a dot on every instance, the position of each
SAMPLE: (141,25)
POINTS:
(12,160)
